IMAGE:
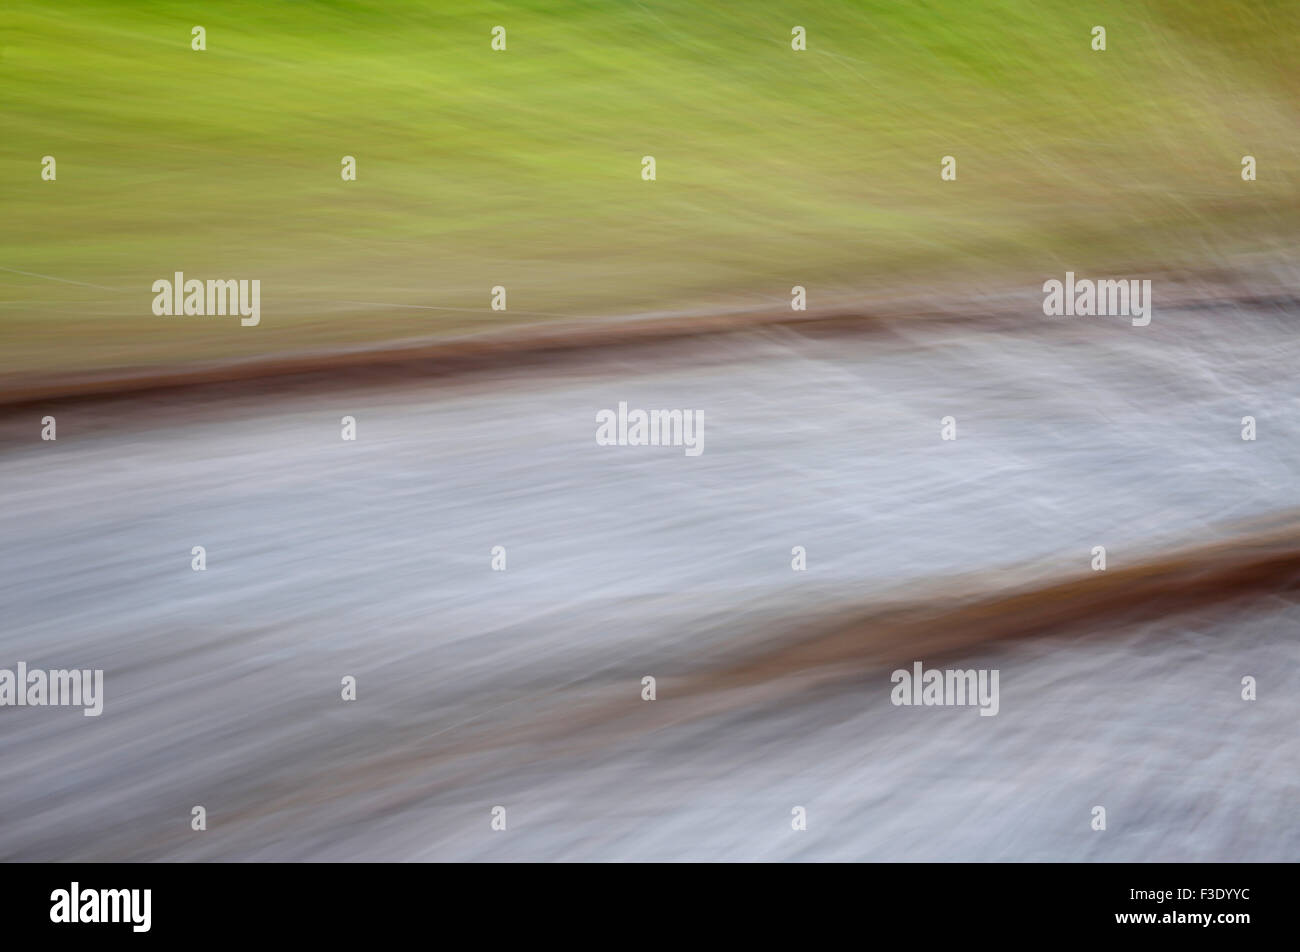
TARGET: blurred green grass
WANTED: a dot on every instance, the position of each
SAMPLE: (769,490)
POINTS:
(522,168)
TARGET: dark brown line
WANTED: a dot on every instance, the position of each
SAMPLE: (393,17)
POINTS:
(514,347)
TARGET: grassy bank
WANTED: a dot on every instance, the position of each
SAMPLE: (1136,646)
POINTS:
(522,168)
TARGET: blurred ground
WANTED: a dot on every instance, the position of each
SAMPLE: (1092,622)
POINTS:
(371,558)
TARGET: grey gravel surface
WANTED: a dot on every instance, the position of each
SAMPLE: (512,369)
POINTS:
(372,559)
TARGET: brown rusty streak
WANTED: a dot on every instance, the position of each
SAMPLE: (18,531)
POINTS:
(540,343)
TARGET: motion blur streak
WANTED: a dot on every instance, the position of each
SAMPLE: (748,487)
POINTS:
(521,688)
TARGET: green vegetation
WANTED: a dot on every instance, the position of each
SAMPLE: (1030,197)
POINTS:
(522,168)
